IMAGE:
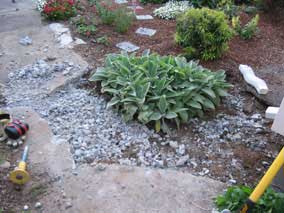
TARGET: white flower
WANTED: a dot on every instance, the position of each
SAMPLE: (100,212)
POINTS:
(172,9)
(40,4)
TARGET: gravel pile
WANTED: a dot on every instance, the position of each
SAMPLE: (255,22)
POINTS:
(99,134)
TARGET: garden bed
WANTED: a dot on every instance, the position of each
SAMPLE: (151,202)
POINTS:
(241,154)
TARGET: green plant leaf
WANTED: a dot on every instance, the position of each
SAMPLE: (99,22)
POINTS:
(162,104)
(115,100)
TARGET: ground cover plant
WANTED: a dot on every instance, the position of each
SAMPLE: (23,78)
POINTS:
(59,9)
(203,33)
(235,197)
(158,89)
(171,9)
(84,26)
(247,31)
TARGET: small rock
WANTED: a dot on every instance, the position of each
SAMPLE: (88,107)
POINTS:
(182,160)
(181,149)
(68,205)
(173,144)
(226,211)
(204,172)
(38,205)
(5,165)
(232,181)
(100,168)
(256,117)
(26,208)
(25,41)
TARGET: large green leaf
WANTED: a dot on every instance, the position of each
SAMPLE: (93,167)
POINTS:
(162,104)
(115,100)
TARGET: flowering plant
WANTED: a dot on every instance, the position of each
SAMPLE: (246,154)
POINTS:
(59,9)
(172,9)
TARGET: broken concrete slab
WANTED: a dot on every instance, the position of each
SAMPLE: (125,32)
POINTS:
(144,17)
(58,28)
(274,77)
(127,46)
(124,189)
(253,80)
(146,31)
(271,112)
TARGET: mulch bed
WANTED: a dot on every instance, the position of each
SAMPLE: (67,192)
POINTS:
(265,49)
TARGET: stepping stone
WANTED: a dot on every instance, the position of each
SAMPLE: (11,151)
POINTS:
(144,17)
(121,1)
(135,7)
(146,31)
(127,46)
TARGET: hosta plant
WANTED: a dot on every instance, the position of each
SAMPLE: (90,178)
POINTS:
(171,9)
(157,89)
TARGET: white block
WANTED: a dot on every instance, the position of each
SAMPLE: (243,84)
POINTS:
(253,80)
(146,31)
(121,1)
(278,124)
(271,112)
(127,46)
(144,17)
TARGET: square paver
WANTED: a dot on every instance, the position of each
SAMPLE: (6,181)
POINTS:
(135,7)
(146,31)
(144,17)
(127,46)
(121,1)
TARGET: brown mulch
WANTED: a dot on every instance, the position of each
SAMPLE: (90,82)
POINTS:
(265,49)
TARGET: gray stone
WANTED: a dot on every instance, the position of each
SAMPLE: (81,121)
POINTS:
(5,165)
(144,17)
(127,46)
(146,31)
(68,205)
(38,205)
(173,144)
(182,161)
(25,41)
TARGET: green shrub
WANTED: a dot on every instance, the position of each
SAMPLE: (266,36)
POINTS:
(123,20)
(120,17)
(156,89)
(106,12)
(203,33)
(153,1)
(247,31)
(210,3)
(235,197)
